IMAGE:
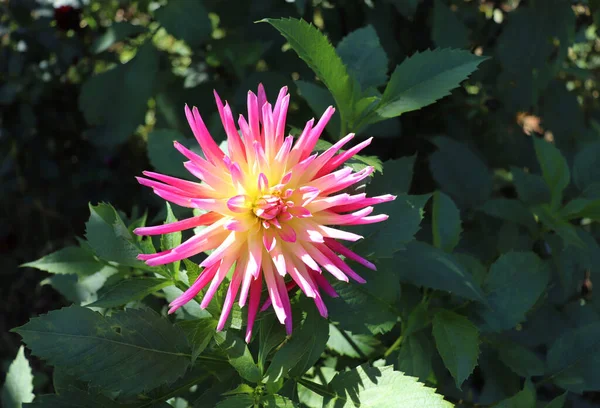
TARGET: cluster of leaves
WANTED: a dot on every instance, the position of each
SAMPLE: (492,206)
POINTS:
(483,294)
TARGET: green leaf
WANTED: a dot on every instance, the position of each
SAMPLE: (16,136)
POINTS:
(554,221)
(415,356)
(81,290)
(586,167)
(130,351)
(581,208)
(520,359)
(319,99)
(109,237)
(457,340)
(381,387)
(278,401)
(382,241)
(199,333)
(368,308)
(239,356)
(73,398)
(574,359)
(460,173)
(531,188)
(302,350)
(424,78)
(447,29)
(187,21)
(513,285)
(69,260)
(510,210)
(129,290)
(117,100)
(446,222)
(555,169)
(315,49)
(525,398)
(407,8)
(271,335)
(237,401)
(558,402)
(346,343)
(396,179)
(18,385)
(170,241)
(364,57)
(163,156)
(423,265)
(116,32)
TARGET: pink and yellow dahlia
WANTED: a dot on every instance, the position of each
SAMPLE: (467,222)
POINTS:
(271,207)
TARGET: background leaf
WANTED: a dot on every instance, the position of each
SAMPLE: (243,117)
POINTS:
(188,22)
(18,385)
(68,260)
(446,222)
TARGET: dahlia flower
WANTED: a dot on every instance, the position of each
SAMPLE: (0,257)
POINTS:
(270,204)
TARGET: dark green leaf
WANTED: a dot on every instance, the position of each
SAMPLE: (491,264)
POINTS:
(128,290)
(424,265)
(130,351)
(554,221)
(237,401)
(272,334)
(510,210)
(555,169)
(318,53)
(581,208)
(446,222)
(73,398)
(18,385)
(199,333)
(278,401)
(515,282)
(523,399)
(362,54)
(302,350)
(187,21)
(448,30)
(69,260)
(531,188)
(381,387)
(170,241)
(424,78)
(116,32)
(396,179)
(586,167)
(239,356)
(117,100)
(457,341)
(520,359)
(415,356)
(383,240)
(81,290)
(349,344)
(574,359)
(558,402)
(163,156)
(319,99)
(460,173)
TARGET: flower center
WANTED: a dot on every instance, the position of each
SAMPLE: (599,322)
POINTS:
(268,206)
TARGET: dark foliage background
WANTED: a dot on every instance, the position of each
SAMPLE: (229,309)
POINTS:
(71,135)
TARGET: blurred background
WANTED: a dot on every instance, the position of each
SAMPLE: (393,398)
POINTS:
(92,93)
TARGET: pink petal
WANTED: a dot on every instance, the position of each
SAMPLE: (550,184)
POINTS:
(287,233)
(255,291)
(211,150)
(204,219)
(234,286)
(193,290)
(341,249)
(340,159)
(239,204)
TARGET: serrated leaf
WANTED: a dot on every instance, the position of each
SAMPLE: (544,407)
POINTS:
(513,285)
(163,156)
(18,385)
(117,100)
(319,99)
(170,241)
(368,308)
(510,210)
(381,387)
(555,169)
(520,359)
(364,57)
(415,355)
(457,340)
(460,173)
(116,32)
(109,237)
(239,356)
(525,398)
(424,78)
(447,29)
(130,351)
(318,53)
(574,359)
(81,290)
(187,21)
(128,290)
(382,241)
(349,344)
(199,333)
(445,222)
(68,260)
(302,350)
(424,265)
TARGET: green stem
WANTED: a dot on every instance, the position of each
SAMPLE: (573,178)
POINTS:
(393,347)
